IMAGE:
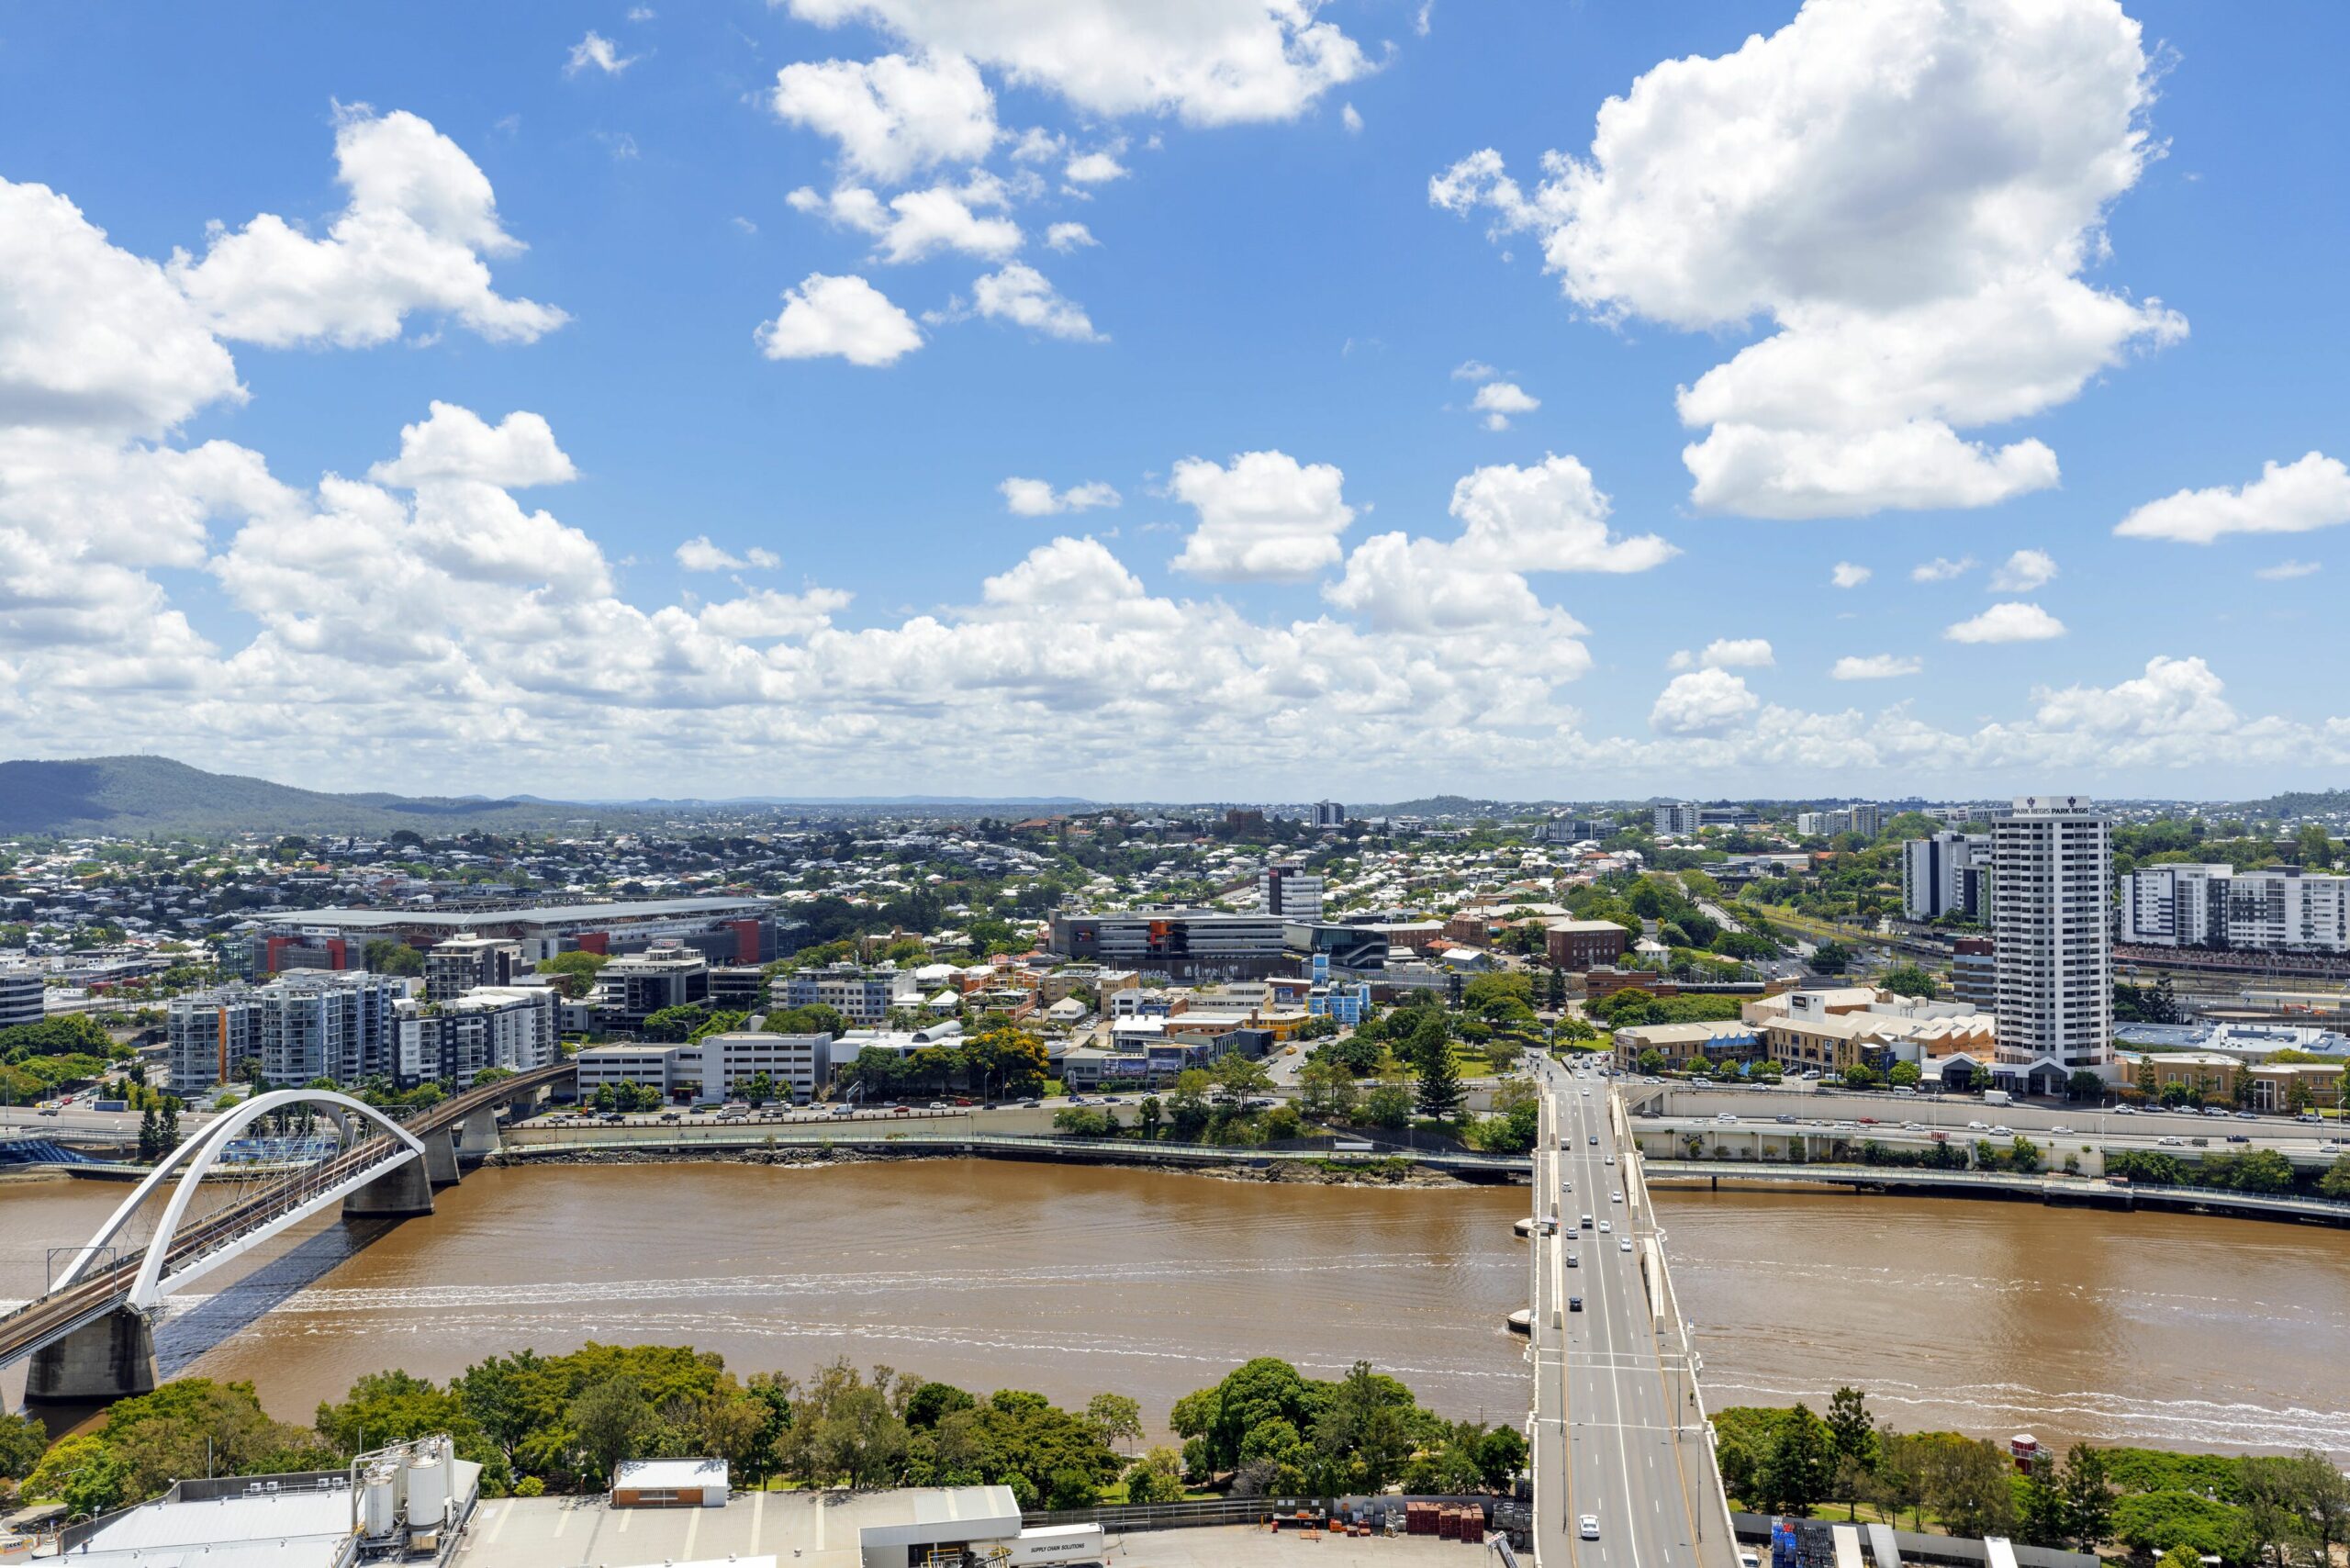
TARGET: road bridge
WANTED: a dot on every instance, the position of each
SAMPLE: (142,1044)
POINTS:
(90,1336)
(1618,1431)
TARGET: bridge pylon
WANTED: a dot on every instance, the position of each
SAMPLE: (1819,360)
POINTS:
(107,1359)
(406,1189)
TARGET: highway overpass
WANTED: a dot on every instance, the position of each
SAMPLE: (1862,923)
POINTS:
(1618,1431)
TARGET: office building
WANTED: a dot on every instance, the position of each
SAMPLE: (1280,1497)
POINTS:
(632,989)
(1684,817)
(714,1068)
(467,962)
(2052,865)
(1184,943)
(1329,813)
(21,1000)
(861,996)
(1286,888)
(1581,944)
(509,1028)
(2273,910)
(1946,873)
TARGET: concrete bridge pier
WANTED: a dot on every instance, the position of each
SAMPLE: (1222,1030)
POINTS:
(477,1134)
(406,1189)
(109,1358)
(439,1159)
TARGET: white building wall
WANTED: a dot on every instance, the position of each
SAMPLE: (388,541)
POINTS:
(2052,860)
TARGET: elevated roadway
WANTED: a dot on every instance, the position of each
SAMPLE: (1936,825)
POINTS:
(1618,1433)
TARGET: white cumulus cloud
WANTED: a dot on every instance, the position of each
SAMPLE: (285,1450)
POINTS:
(1265,517)
(1906,190)
(2024,571)
(1845,575)
(846,317)
(1205,62)
(420,220)
(1070,237)
(1022,295)
(1036,497)
(2009,623)
(1875,666)
(1940,570)
(893,117)
(914,225)
(2311,492)
(454,443)
(699,555)
(1095,168)
(1705,701)
(1497,400)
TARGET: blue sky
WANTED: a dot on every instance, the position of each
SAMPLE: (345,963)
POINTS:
(1975,284)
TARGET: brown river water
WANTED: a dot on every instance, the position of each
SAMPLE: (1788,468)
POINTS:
(2169,1330)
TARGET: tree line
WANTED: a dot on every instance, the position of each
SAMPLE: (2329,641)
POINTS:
(540,1424)
(2284,1511)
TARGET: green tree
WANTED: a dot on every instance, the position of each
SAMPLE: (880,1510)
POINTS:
(1851,1437)
(1148,1114)
(83,1473)
(1156,1477)
(2088,1497)
(22,1441)
(389,956)
(1799,1469)
(1832,958)
(2040,1504)
(1439,1091)
(574,972)
(1909,980)
(2336,1182)
(1114,1417)
(611,1418)
(757,1089)
(1388,1107)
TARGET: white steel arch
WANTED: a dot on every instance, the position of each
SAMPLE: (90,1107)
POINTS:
(199,1155)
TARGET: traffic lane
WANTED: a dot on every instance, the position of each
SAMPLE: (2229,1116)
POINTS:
(1622,1375)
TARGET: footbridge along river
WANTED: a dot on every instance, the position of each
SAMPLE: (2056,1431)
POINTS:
(89,1335)
(1622,1455)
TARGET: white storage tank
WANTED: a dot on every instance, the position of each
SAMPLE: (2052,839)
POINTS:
(379,1506)
(427,1485)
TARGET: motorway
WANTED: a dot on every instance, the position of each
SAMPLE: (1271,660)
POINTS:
(1618,1432)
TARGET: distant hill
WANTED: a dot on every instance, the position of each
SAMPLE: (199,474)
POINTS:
(139,795)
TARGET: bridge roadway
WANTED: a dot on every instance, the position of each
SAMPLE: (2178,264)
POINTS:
(106,1288)
(1617,1433)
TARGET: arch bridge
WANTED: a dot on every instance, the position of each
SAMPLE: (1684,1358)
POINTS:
(90,1334)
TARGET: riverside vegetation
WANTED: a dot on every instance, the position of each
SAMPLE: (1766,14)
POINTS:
(2284,1511)
(539,1424)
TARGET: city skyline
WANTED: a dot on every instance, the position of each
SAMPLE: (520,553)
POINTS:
(859,396)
